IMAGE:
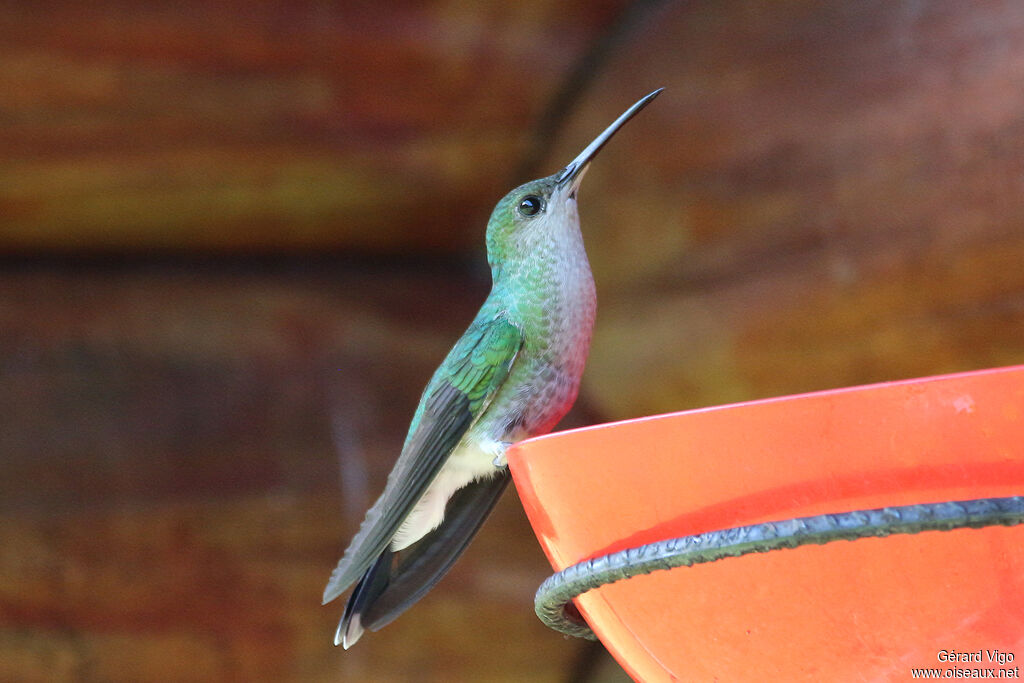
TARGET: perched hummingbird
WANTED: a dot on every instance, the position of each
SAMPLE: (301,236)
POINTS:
(513,374)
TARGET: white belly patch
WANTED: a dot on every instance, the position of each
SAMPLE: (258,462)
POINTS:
(468,462)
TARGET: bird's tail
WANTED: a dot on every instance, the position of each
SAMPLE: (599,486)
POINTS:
(426,562)
(366,592)
(385,590)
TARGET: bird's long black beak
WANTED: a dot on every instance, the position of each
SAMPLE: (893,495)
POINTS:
(572,174)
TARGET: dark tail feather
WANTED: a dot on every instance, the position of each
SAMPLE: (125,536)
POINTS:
(426,562)
(366,593)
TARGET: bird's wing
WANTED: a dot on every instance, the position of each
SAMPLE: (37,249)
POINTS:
(458,393)
(426,562)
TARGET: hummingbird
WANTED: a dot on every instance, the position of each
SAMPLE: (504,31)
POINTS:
(513,374)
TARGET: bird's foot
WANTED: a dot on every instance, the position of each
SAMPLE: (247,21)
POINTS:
(498,449)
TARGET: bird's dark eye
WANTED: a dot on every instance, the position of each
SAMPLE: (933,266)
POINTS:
(531,205)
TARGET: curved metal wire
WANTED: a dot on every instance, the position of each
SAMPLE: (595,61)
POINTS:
(555,608)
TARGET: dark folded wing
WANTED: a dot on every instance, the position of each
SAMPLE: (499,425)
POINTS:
(425,563)
(460,390)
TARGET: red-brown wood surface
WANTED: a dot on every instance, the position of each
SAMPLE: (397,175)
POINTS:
(277,200)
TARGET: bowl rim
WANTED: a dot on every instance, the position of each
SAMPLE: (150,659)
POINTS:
(754,404)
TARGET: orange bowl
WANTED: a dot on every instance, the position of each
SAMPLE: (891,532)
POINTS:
(870,609)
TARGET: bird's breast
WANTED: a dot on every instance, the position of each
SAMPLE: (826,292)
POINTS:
(556,313)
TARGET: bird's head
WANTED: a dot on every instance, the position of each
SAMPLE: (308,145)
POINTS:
(543,212)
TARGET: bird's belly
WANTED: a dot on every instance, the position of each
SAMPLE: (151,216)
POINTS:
(471,460)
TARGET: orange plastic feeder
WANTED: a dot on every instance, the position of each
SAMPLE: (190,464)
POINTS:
(854,534)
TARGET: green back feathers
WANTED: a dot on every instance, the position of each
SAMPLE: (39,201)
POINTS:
(480,362)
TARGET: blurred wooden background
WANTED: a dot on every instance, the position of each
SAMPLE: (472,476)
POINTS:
(236,237)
